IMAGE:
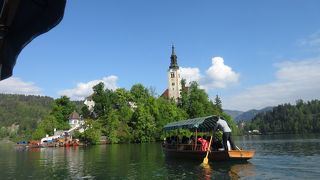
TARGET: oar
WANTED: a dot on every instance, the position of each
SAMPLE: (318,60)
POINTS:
(205,160)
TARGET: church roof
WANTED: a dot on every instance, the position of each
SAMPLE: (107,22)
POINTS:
(165,94)
(74,115)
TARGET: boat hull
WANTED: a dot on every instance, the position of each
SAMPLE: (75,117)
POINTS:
(233,155)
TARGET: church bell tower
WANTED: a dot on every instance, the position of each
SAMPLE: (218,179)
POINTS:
(174,77)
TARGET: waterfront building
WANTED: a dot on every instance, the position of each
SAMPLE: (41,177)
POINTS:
(74,119)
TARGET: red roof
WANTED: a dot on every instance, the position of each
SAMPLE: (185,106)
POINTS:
(165,94)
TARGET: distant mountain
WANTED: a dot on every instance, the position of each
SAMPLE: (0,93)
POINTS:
(233,113)
(249,115)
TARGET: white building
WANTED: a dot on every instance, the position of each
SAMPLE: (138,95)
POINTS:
(89,103)
(174,78)
(75,120)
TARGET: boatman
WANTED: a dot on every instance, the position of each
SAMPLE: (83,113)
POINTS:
(223,126)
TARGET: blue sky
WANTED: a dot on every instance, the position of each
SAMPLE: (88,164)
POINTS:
(251,53)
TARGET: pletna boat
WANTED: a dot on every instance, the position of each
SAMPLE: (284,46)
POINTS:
(194,150)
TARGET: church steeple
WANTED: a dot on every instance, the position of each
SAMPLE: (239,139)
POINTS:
(174,63)
(174,80)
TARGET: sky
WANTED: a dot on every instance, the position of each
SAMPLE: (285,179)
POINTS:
(252,54)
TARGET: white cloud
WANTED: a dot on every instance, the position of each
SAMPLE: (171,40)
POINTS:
(218,75)
(15,85)
(294,80)
(84,90)
(190,74)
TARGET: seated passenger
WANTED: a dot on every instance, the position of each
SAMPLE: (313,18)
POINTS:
(204,144)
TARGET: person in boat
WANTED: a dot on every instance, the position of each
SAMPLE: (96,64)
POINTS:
(173,140)
(191,140)
(226,136)
(184,140)
(204,143)
(216,144)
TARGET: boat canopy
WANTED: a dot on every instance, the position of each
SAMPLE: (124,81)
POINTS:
(203,124)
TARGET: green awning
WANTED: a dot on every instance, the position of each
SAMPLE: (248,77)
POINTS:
(201,124)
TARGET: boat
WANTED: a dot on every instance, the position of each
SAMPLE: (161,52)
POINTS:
(195,151)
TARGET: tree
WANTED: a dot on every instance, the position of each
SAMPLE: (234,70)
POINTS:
(92,132)
(85,112)
(143,124)
(218,103)
(198,104)
(100,99)
(62,108)
(112,125)
(184,98)
(47,127)
(139,93)
(286,118)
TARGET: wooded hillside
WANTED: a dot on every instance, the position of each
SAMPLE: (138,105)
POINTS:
(19,114)
(304,117)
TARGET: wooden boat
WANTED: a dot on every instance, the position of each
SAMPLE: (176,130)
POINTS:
(234,155)
(193,151)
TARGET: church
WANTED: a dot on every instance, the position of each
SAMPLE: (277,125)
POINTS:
(174,78)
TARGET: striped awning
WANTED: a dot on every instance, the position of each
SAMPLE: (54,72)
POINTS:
(200,124)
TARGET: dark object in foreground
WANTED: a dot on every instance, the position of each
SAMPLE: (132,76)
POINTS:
(20,22)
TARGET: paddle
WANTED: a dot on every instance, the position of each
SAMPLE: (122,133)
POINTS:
(205,160)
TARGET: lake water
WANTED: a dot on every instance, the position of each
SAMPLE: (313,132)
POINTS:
(277,157)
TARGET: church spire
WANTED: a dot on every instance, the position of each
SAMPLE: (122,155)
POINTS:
(173,53)
(174,63)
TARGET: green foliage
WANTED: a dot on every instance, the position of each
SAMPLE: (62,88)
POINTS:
(111,127)
(139,93)
(22,111)
(143,124)
(304,117)
(167,111)
(38,134)
(124,116)
(137,116)
(62,108)
(92,132)
(58,118)
(85,112)
(218,103)
(196,103)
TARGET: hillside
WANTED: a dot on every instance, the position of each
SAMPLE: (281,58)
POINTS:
(304,117)
(21,113)
(245,116)
(233,113)
(249,115)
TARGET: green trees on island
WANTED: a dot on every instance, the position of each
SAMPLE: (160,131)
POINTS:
(137,116)
(121,115)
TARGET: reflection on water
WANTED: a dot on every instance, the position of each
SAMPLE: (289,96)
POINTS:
(228,170)
(242,170)
(277,157)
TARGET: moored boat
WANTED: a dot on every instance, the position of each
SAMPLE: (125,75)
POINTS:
(195,151)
